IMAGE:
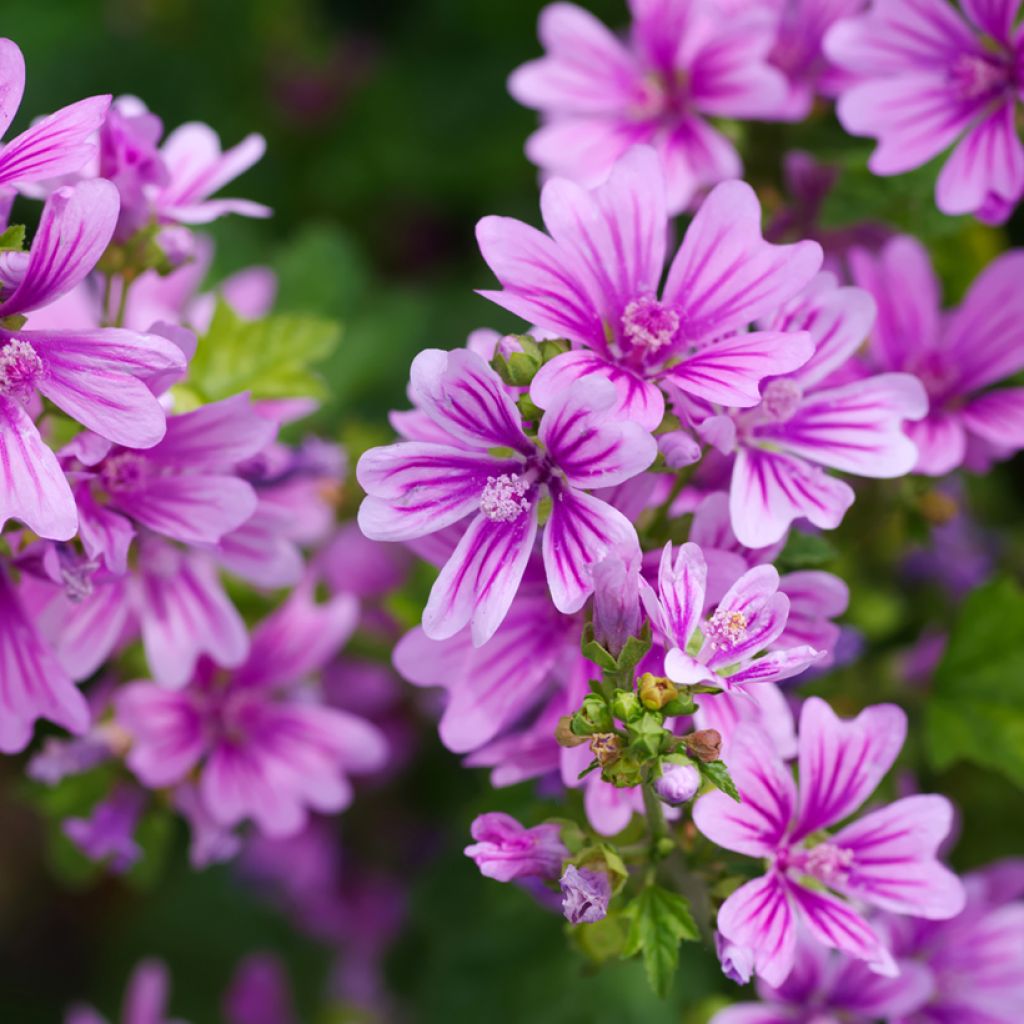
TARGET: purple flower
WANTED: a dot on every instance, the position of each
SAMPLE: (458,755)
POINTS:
(263,747)
(727,644)
(927,75)
(259,993)
(958,356)
(617,598)
(506,851)
(681,64)
(108,834)
(145,999)
(595,279)
(886,859)
(98,377)
(585,895)
(827,988)
(677,784)
(805,423)
(976,959)
(55,145)
(491,474)
(212,843)
(35,684)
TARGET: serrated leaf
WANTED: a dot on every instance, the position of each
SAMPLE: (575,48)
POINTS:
(659,921)
(976,710)
(270,358)
(718,775)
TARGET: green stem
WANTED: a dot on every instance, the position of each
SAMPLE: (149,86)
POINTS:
(660,521)
(123,303)
(655,817)
(108,285)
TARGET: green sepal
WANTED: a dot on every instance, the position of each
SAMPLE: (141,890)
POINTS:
(604,857)
(601,941)
(626,706)
(647,735)
(13,239)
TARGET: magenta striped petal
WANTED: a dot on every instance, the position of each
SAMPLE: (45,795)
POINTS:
(681,585)
(765,706)
(770,490)
(725,275)
(466,398)
(588,442)
(168,732)
(581,531)
(758,916)
(895,864)
(776,666)
(843,761)
(994,17)
(91,630)
(12,82)
(940,440)
(480,580)
(997,417)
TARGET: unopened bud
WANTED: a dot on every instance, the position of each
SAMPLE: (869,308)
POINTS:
(593,716)
(564,736)
(704,744)
(626,705)
(677,783)
(606,747)
(656,691)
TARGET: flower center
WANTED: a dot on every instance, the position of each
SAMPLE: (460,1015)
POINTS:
(829,864)
(975,76)
(648,325)
(504,498)
(20,369)
(725,629)
(781,398)
(76,574)
(125,471)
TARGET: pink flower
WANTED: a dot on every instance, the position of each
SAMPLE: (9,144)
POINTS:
(886,859)
(928,75)
(145,999)
(958,356)
(506,851)
(263,747)
(682,63)
(485,470)
(595,279)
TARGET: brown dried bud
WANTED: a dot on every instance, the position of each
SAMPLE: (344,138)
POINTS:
(564,736)
(704,744)
(606,747)
(656,691)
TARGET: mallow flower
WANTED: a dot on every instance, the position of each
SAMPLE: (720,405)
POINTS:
(958,356)
(261,745)
(680,64)
(885,858)
(928,75)
(506,851)
(485,469)
(595,278)
(145,999)
(98,376)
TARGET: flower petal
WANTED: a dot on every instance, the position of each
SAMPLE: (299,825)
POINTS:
(12,82)
(758,916)
(168,732)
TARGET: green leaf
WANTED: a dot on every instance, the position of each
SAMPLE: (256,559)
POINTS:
(718,775)
(270,358)
(976,711)
(659,921)
(806,551)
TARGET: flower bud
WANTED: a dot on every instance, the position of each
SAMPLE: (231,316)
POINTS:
(593,716)
(617,598)
(505,850)
(585,895)
(679,449)
(564,736)
(656,691)
(677,784)
(704,744)
(606,747)
(626,705)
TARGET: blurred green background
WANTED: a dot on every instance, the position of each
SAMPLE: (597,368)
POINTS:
(389,134)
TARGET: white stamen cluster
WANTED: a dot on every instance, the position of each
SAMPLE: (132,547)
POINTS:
(725,629)
(20,368)
(503,499)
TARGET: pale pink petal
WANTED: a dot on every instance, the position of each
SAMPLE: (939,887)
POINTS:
(758,916)
(997,417)
(758,824)
(694,155)
(196,166)
(588,442)
(168,732)
(587,69)
(770,490)
(586,148)
(75,227)
(940,440)
(835,924)
(33,488)
(417,488)
(609,810)
(465,397)
(480,580)
(639,400)
(55,145)
(988,160)
(895,866)
(105,535)
(90,630)
(686,670)
(681,586)
(843,761)
(725,275)
(857,428)
(12,82)
(729,371)
(776,666)
(764,706)
(581,531)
